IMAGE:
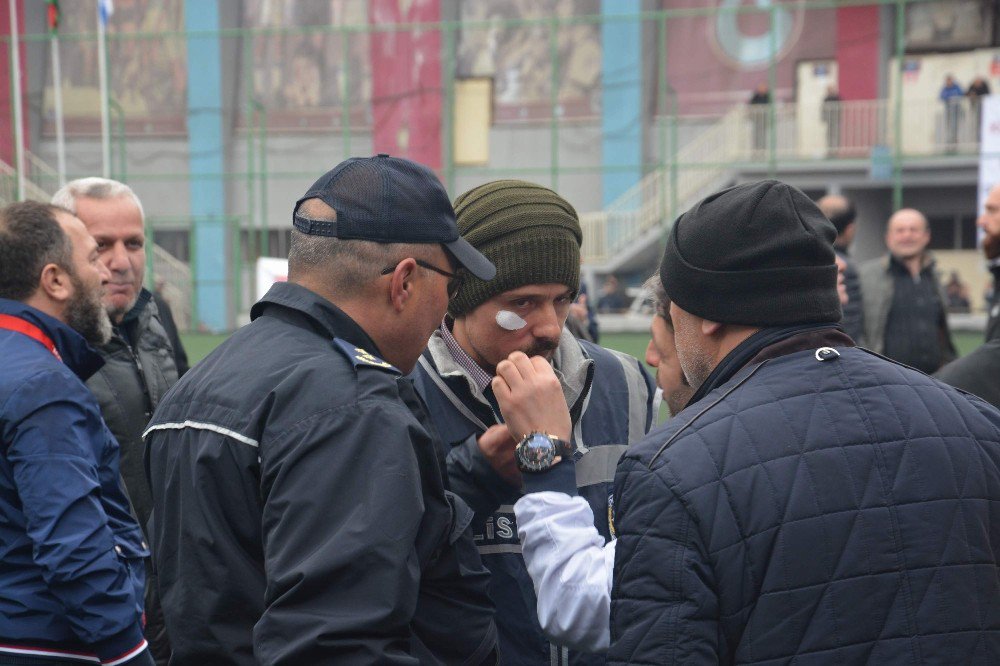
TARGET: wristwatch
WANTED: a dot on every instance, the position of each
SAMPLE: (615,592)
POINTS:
(537,450)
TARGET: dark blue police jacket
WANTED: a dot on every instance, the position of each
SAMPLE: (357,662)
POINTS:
(614,408)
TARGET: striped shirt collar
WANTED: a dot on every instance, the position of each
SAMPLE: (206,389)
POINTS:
(475,372)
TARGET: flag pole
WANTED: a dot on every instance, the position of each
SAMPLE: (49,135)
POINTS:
(102,66)
(57,100)
(18,120)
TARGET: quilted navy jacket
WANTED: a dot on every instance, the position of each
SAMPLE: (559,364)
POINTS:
(831,508)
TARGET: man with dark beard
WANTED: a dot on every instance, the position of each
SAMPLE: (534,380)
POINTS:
(533,237)
(978,372)
(989,222)
(140,359)
(72,579)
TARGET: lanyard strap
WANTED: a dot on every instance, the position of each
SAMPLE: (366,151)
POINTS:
(18,325)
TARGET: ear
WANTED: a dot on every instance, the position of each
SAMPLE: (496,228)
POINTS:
(55,283)
(709,328)
(401,283)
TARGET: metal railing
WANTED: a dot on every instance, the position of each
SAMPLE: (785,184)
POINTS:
(750,135)
(654,200)
(8,186)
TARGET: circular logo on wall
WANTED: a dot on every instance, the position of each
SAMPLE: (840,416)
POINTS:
(737,41)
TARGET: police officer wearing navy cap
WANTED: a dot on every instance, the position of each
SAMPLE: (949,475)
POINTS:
(301,513)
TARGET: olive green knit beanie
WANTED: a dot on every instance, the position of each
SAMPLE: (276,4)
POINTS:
(529,232)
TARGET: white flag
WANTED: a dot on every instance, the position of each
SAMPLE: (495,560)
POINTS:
(106,8)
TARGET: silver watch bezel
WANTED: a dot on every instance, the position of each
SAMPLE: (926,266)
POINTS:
(543,462)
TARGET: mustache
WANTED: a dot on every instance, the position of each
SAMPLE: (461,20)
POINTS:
(541,347)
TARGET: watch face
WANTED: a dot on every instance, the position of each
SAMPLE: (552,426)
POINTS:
(536,453)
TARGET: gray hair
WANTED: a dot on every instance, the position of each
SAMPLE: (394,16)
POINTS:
(661,302)
(94,188)
(348,266)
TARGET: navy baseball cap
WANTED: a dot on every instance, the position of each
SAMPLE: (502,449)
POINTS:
(388,199)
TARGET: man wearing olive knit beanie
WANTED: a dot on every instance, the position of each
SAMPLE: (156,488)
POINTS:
(532,236)
(814,501)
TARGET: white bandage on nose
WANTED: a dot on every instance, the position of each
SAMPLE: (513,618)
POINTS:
(509,321)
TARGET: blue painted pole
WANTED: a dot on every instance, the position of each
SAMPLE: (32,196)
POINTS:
(621,103)
(206,163)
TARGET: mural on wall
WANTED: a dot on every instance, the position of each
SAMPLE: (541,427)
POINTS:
(717,60)
(147,74)
(406,73)
(518,56)
(301,67)
(957,24)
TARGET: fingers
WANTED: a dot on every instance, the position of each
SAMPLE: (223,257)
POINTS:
(497,447)
(501,389)
(515,369)
(531,397)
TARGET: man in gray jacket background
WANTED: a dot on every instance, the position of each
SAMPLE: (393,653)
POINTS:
(139,363)
(904,307)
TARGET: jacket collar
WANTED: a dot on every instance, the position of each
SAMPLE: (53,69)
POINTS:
(769,343)
(135,320)
(570,363)
(322,315)
(141,303)
(78,356)
(927,261)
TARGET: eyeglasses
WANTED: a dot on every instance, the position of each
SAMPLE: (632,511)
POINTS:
(454,279)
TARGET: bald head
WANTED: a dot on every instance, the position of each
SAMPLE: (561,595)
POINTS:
(907,234)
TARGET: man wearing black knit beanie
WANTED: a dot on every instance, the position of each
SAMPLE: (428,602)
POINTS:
(497,332)
(803,505)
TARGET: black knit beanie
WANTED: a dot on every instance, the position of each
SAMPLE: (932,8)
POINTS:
(529,232)
(759,254)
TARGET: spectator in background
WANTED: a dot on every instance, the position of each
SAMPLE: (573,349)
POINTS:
(71,580)
(613,298)
(957,293)
(977,90)
(951,94)
(904,305)
(758,116)
(831,117)
(582,320)
(139,358)
(841,212)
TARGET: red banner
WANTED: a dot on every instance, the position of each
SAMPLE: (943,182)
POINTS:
(858,51)
(406,80)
